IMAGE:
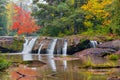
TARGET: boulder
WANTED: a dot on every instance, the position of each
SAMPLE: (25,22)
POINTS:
(83,44)
(11,44)
(113,78)
(111,44)
(118,52)
(95,52)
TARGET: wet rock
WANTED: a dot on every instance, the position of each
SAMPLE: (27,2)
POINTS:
(114,78)
(94,52)
(83,44)
(5,50)
(111,44)
(118,52)
(10,44)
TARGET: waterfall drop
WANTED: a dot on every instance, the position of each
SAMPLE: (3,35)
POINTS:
(39,50)
(50,51)
(51,47)
(28,45)
(93,43)
(64,49)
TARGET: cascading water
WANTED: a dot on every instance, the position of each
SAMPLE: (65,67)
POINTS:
(28,45)
(64,49)
(39,50)
(93,43)
(50,51)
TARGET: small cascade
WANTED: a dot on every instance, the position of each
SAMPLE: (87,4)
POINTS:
(93,43)
(28,45)
(39,50)
(25,45)
(64,49)
(50,49)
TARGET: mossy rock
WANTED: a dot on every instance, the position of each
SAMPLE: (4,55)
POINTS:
(14,44)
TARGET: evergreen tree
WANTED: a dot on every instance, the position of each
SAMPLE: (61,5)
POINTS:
(116,17)
(60,17)
(2,17)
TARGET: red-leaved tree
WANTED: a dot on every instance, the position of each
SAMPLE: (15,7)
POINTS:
(23,23)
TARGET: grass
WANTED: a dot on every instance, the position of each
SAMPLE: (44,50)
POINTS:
(4,63)
(113,57)
(109,64)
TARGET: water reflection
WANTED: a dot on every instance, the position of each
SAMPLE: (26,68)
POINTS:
(51,62)
(24,73)
(65,64)
(60,70)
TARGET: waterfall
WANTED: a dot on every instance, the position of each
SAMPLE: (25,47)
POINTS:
(50,49)
(25,45)
(27,48)
(64,49)
(28,45)
(93,43)
(39,56)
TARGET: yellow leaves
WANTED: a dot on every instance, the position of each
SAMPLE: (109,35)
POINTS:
(97,8)
(88,16)
(52,15)
(106,2)
(106,22)
(71,2)
(88,23)
(10,12)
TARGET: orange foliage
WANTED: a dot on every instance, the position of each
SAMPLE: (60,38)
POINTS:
(23,22)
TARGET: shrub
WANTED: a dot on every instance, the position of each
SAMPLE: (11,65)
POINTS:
(113,57)
(4,64)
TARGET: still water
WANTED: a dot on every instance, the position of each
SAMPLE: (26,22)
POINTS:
(61,69)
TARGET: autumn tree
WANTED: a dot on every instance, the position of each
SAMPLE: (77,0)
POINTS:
(10,11)
(23,23)
(97,13)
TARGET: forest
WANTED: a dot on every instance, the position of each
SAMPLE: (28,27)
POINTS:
(61,18)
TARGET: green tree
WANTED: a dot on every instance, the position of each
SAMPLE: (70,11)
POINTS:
(115,25)
(2,17)
(60,17)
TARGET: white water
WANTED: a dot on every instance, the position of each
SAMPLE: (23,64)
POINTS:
(39,50)
(64,49)
(28,45)
(93,44)
(50,49)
